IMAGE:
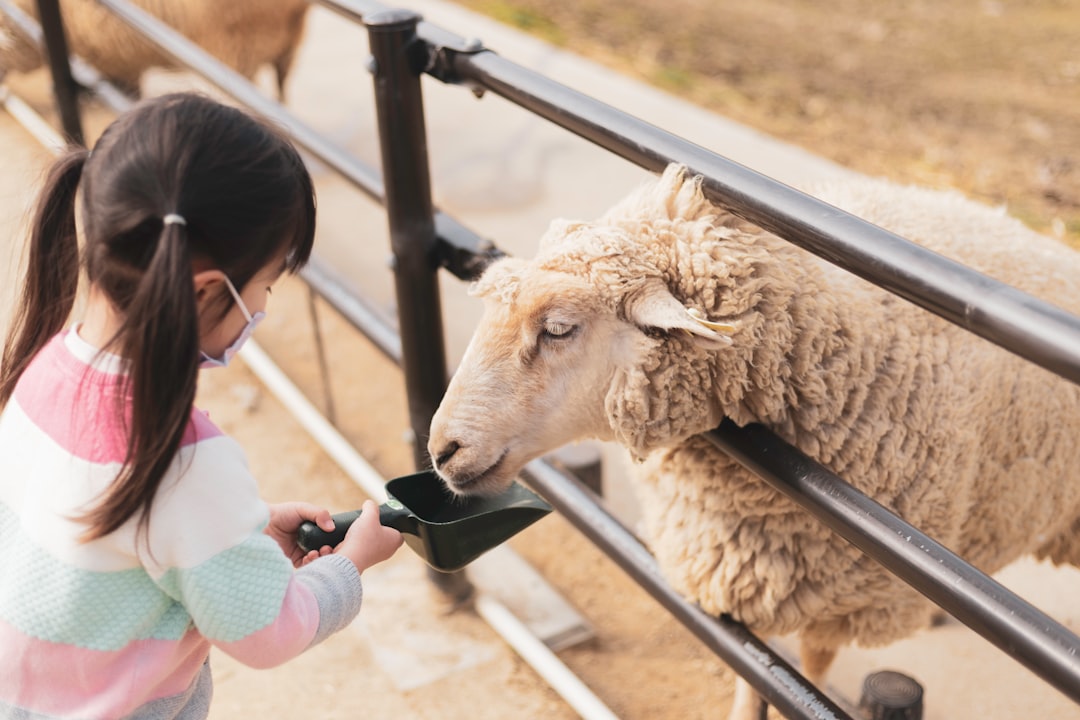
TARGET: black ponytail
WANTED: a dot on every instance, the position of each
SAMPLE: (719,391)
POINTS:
(52,272)
(160,338)
(245,202)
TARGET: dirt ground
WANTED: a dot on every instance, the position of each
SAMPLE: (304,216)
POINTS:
(983,95)
(980,95)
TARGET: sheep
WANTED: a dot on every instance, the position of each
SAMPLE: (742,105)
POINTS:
(651,324)
(244,34)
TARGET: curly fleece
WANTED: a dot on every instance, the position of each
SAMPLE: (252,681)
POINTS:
(964,440)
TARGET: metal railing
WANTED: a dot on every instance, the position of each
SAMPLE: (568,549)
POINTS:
(424,239)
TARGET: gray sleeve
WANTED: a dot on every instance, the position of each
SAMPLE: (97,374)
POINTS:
(334,581)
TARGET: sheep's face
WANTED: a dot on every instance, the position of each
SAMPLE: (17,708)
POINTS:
(538,370)
(533,378)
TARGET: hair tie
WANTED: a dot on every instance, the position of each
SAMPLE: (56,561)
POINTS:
(174,219)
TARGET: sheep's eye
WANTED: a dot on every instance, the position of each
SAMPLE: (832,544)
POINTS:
(556,329)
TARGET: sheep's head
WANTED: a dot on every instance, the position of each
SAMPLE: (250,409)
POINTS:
(570,347)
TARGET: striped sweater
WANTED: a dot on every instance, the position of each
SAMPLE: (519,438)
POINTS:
(116,628)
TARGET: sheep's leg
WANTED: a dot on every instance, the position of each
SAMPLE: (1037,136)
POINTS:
(283,63)
(815,662)
(748,705)
(281,69)
(128,86)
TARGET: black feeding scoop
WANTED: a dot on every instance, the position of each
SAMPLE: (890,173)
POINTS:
(448,532)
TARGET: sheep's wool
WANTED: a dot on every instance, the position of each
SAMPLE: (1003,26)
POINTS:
(244,34)
(964,440)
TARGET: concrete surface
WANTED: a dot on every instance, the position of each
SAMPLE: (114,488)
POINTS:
(507,174)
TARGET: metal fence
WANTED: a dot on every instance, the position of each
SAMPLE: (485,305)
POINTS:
(423,240)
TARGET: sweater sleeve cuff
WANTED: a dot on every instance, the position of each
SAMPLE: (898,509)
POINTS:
(335,582)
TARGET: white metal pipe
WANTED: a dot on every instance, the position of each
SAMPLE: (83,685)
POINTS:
(326,435)
(533,651)
(496,614)
(34,124)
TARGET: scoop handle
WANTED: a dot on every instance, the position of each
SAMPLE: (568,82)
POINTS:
(312,537)
(391,514)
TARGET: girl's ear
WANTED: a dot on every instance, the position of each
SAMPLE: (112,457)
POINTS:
(207,284)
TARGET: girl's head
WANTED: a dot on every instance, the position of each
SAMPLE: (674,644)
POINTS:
(242,211)
(240,189)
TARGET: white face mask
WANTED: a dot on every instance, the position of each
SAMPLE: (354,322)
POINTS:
(252,320)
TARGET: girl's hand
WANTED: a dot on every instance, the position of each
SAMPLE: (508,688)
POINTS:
(285,520)
(368,542)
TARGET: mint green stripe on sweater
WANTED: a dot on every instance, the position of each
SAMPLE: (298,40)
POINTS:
(236,592)
(48,600)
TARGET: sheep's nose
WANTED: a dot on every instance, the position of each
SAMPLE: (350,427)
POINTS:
(443,456)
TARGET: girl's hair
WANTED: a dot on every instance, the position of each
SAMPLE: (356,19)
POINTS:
(247,200)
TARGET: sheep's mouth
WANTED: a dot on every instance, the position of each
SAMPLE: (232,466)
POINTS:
(474,483)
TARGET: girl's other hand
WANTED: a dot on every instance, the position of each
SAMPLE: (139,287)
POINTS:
(368,542)
(285,520)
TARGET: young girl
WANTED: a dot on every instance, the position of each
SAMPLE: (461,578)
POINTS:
(132,536)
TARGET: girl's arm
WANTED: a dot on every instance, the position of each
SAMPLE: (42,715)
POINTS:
(209,551)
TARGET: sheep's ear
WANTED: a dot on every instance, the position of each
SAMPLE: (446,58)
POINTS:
(500,277)
(654,307)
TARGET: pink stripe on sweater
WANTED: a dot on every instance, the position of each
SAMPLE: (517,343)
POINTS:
(75,405)
(286,637)
(67,681)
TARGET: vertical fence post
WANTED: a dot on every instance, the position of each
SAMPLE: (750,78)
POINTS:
(411,215)
(65,89)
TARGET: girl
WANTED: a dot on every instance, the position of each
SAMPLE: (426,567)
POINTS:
(132,537)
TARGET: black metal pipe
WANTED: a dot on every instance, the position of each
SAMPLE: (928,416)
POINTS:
(776,680)
(65,89)
(460,250)
(399,109)
(355,308)
(410,214)
(1033,638)
(190,55)
(84,75)
(1008,317)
